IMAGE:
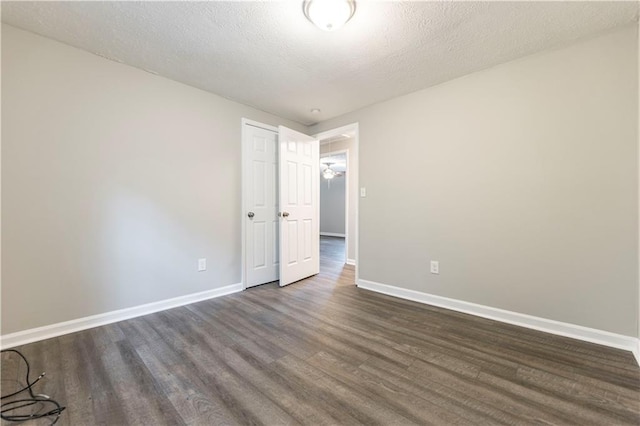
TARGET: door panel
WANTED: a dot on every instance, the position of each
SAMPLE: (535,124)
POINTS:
(307,185)
(299,205)
(260,198)
(307,239)
(259,245)
(292,230)
(292,183)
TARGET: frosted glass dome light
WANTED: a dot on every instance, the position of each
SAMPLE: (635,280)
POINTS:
(329,15)
(328,173)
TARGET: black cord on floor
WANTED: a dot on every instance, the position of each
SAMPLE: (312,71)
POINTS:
(11,410)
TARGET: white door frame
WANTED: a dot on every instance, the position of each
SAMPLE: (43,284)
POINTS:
(355,128)
(244,123)
(347,182)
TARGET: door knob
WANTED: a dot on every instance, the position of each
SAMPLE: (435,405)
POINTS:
(251,215)
(285,214)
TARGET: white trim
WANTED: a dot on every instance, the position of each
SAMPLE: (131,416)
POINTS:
(636,352)
(351,262)
(259,125)
(333,153)
(332,234)
(53,330)
(244,122)
(337,131)
(541,324)
(347,200)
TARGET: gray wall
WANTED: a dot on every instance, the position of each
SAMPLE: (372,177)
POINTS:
(332,205)
(522,180)
(114,183)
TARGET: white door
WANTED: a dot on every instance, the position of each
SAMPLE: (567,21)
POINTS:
(299,165)
(260,201)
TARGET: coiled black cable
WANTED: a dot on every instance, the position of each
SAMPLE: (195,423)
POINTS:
(14,410)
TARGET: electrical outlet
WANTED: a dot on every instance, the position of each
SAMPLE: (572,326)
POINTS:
(363,192)
(202,265)
(435,267)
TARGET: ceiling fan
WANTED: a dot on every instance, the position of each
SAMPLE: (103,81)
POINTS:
(329,173)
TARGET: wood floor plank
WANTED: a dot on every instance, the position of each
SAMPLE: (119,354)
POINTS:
(456,403)
(330,392)
(280,390)
(324,352)
(580,393)
(132,383)
(189,396)
(411,405)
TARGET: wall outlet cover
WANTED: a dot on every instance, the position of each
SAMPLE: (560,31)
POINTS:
(435,267)
(202,264)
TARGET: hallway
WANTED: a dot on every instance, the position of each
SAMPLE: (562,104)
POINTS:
(332,249)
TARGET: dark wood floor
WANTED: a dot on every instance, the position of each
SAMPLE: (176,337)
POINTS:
(322,351)
(332,250)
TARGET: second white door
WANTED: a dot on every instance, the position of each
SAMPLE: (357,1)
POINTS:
(299,165)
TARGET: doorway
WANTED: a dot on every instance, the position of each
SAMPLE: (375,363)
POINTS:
(266,234)
(334,196)
(280,205)
(345,141)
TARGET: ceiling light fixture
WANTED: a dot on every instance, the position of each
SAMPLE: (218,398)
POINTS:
(329,15)
(328,173)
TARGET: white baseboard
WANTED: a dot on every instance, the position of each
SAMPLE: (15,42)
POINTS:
(351,262)
(53,330)
(331,234)
(574,331)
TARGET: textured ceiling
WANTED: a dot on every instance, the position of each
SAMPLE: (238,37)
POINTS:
(267,55)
